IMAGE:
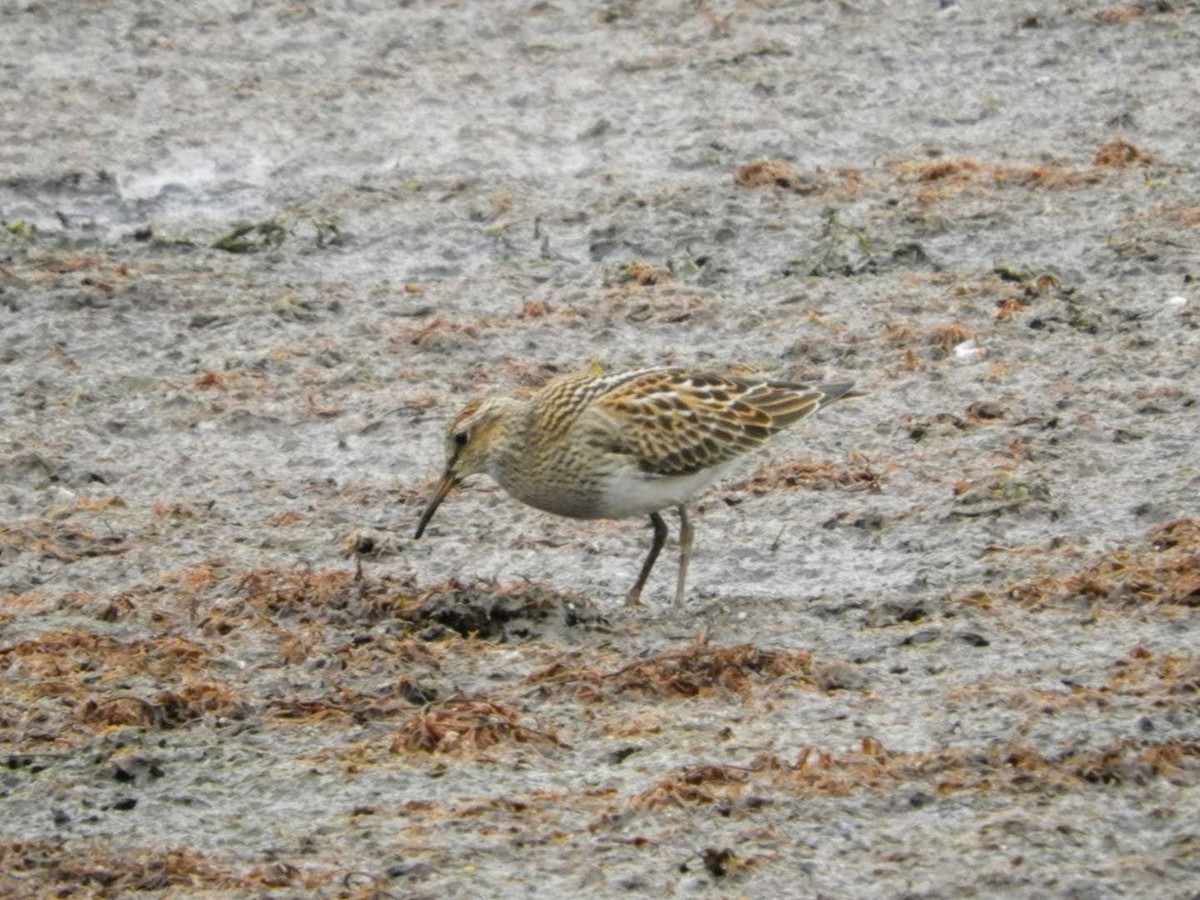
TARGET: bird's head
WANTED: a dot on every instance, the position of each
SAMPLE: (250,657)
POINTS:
(471,440)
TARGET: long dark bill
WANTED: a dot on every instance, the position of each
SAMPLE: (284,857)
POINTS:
(445,486)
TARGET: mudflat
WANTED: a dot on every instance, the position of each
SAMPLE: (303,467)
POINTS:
(939,640)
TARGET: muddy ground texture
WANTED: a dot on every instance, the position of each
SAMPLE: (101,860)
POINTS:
(940,640)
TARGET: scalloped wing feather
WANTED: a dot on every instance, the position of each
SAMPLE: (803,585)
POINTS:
(675,422)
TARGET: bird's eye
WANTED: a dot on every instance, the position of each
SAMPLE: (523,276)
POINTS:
(461,438)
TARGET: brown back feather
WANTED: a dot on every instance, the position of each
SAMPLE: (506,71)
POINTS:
(679,422)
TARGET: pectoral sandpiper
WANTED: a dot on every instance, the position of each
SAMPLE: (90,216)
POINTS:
(633,443)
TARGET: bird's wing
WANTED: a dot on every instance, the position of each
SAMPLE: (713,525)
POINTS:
(677,422)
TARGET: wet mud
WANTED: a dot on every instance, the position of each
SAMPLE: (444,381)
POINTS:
(939,640)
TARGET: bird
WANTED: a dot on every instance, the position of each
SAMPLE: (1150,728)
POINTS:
(614,446)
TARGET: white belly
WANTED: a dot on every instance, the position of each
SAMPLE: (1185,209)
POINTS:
(617,491)
(632,493)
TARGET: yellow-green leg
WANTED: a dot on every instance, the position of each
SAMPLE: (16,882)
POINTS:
(685,553)
(634,598)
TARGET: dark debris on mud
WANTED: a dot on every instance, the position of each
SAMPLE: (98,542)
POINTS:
(507,612)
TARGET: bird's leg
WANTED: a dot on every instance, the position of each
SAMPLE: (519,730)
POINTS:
(685,553)
(660,537)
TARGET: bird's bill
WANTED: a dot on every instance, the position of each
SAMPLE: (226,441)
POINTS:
(445,486)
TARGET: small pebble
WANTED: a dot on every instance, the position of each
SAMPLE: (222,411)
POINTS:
(969,351)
